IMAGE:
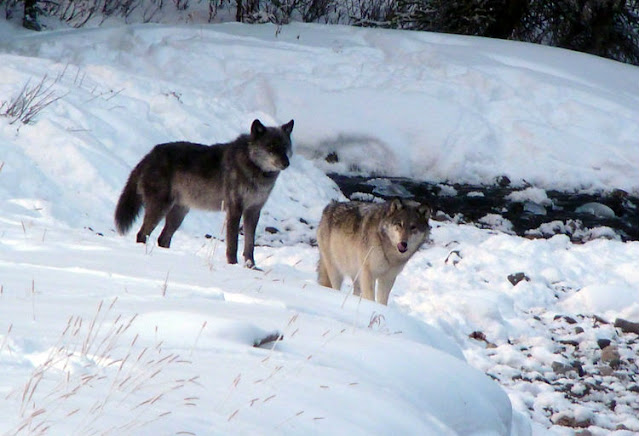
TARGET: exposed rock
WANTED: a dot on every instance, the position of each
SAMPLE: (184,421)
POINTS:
(332,157)
(268,339)
(627,326)
(453,257)
(561,368)
(580,390)
(606,371)
(568,319)
(597,209)
(570,421)
(579,368)
(610,355)
(502,181)
(480,336)
(569,342)
(534,208)
(603,343)
(514,279)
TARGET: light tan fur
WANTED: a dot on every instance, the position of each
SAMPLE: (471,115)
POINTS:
(370,243)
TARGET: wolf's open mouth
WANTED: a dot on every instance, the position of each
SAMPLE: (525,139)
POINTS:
(402,247)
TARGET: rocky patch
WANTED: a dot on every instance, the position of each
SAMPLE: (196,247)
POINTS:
(586,377)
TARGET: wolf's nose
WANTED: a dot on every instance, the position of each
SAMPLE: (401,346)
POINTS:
(285,163)
(402,247)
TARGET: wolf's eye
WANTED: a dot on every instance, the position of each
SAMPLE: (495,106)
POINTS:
(413,227)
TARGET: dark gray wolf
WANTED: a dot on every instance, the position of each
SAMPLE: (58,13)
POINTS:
(369,242)
(236,177)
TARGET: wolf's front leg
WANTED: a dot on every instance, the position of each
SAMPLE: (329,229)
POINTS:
(251,217)
(367,284)
(384,286)
(233,215)
(356,290)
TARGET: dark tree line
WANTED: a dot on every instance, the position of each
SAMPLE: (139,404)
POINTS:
(30,20)
(608,28)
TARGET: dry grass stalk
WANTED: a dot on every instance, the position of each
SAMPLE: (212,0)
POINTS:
(29,102)
(5,339)
(55,391)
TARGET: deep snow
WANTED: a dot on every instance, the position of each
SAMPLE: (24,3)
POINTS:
(428,106)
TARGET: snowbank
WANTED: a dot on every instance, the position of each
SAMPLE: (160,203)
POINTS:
(170,348)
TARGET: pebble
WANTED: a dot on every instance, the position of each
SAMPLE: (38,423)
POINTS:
(515,278)
(603,343)
(610,355)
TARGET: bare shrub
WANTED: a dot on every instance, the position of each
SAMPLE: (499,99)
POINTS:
(31,100)
(371,13)
(317,10)
(78,13)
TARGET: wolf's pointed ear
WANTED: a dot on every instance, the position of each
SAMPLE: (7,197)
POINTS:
(288,127)
(257,129)
(425,211)
(395,205)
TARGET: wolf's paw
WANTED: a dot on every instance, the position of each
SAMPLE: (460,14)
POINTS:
(250,264)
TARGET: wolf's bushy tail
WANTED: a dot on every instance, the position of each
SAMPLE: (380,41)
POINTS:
(129,204)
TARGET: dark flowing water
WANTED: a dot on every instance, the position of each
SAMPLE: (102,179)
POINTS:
(580,216)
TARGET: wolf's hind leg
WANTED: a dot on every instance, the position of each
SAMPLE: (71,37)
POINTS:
(335,276)
(153,214)
(328,275)
(173,221)
(322,273)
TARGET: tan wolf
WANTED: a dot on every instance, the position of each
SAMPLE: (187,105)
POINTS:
(369,242)
(237,176)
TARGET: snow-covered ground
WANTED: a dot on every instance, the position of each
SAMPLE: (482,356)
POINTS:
(99,334)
